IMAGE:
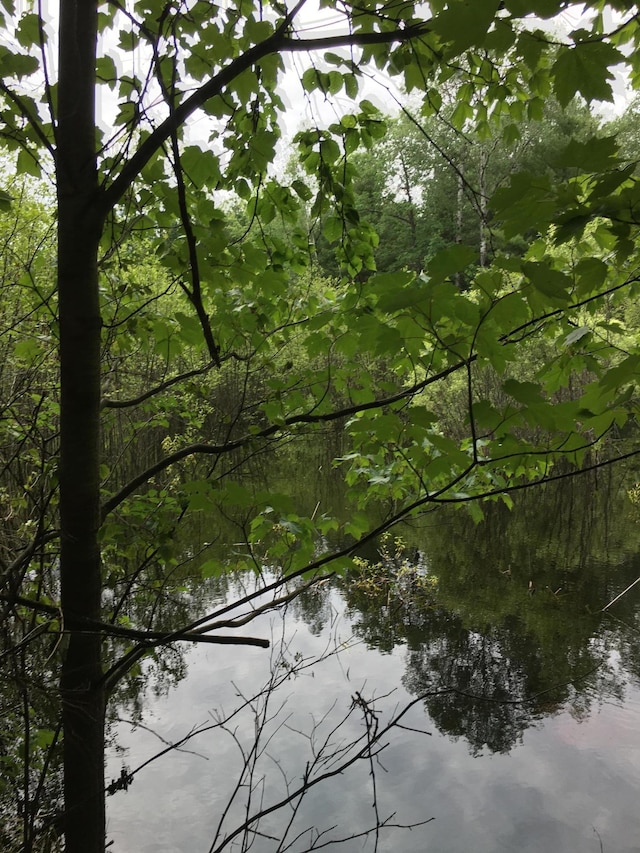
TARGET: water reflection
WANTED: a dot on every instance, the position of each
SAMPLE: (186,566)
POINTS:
(532,695)
(531,692)
(512,628)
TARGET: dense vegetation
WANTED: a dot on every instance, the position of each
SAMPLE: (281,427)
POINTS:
(448,295)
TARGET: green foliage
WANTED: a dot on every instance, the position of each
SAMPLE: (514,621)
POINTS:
(394,579)
(427,186)
(473,328)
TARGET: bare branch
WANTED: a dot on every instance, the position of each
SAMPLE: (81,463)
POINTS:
(158,389)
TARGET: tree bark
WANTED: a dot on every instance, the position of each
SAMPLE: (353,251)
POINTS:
(482,193)
(79,228)
(459,276)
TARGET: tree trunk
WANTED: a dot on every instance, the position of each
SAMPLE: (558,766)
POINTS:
(459,276)
(79,229)
(482,192)
(412,212)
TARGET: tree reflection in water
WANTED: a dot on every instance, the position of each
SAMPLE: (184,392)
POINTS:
(511,629)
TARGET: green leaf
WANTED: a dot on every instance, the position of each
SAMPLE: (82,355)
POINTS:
(464,23)
(394,290)
(28,163)
(190,328)
(585,69)
(508,312)
(576,335)
(263,145)
(419,416)
(511,134)
(351,86)
(201,167)
(44,738)
(627,371)
(414,77)
(334,59)
(550,282)
(594,155)
(335,82)
(530,47)
(486,416)
(106,70)
(526,204)
(332,228)
(535,109)
(302,190)
(591,273)
(329,151)
(475,510)
(351,141)
(501,37)
(126,114)
(243,189)
(5,201)
(541,8)
(235,494)
(28,30)
(311,79)
(16,64)
(454,259)
(461,114)
(211,568)
(246,85)
(523,392)
(256,30)
(358,525)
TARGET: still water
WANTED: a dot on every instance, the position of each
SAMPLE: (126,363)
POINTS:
(522,700)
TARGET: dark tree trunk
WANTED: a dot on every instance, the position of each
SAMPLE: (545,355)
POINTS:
(484,202)
(78,239)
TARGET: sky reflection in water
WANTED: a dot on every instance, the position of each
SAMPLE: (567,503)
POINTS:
(560,773)
(567,783)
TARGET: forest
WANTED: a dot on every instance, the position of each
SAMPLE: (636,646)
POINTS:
(405,233)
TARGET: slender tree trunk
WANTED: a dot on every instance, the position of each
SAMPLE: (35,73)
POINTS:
(413,228)
(78,239)
(459,278)
(482,192)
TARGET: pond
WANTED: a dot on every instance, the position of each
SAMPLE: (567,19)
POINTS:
(462,692)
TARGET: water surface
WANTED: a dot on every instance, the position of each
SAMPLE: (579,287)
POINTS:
(525,735)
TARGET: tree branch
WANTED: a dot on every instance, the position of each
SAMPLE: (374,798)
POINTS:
(267,432)
(28,116)
(158,389)
(152,638)
(276,43)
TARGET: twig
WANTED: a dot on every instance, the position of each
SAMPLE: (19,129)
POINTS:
(599,839)
(619,596)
